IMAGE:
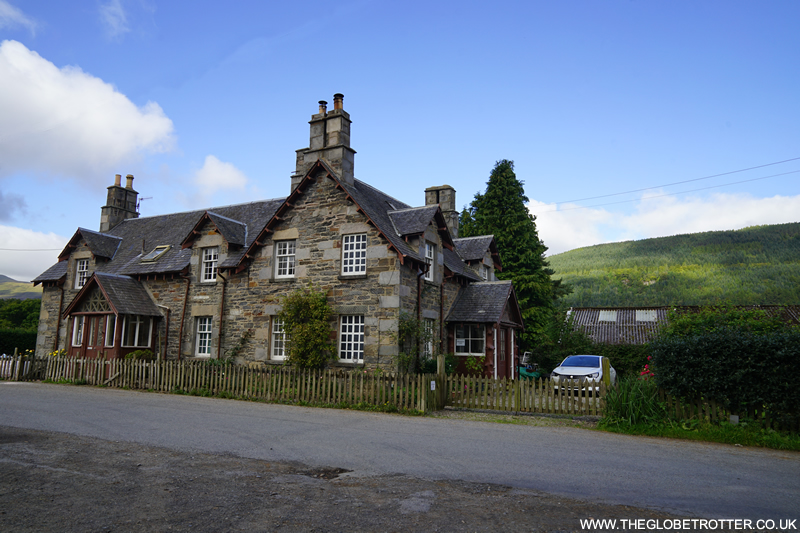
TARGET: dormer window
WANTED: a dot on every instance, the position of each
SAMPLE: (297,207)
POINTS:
(155,254)
(210,259)
(430,260)
(81,272)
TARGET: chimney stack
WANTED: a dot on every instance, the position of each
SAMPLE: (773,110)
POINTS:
(329,141)
(445,197)
(120,203)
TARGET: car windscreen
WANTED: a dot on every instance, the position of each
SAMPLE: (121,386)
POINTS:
(590,361)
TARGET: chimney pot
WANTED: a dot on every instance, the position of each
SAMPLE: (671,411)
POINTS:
(129,183)
(323,107)
(337,101)
(118,179)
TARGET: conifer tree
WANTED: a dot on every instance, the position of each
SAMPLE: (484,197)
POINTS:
(501,211)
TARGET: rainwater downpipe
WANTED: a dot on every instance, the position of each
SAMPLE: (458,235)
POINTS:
(166,334)
(420,273)
(183,317)
(494,351)
(58,322)
(221,314)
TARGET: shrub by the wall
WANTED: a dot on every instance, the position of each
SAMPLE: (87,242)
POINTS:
(17,338)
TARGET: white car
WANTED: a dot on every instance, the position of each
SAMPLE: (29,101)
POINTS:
(588,367)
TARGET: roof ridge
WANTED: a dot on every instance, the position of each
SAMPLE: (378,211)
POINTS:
(201,210)
(412,208)
(355,180)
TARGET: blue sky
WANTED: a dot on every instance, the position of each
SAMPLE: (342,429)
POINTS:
(205,104)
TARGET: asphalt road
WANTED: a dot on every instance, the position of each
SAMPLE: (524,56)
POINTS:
(703,480)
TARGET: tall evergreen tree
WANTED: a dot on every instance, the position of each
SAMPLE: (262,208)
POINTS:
(501,211)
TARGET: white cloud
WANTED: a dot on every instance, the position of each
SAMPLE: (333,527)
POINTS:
(10,17)
(26,264)
(65,121)
(658,217)
(217,176)
(114,18)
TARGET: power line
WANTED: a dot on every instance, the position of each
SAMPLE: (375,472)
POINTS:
(668,194)
(678,183)
(31,249)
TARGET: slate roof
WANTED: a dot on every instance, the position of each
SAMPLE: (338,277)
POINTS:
(453,262)
(473,248)
(54,273)
(412,221)
(135,234)
(233,231)
(481,302)
(376,205)
(100,244)
(126,295)
(241,224)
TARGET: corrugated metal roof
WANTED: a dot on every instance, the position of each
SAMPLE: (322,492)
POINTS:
(639,325)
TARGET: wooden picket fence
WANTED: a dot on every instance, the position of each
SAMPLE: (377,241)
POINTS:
(571,397)
(704,410)
(271,384)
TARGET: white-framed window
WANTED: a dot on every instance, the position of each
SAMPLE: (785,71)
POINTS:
(210,260)
(279,340)
(203,338)
(111,327)
(470,339)
(430,328)
(77,330)
(136,331)
(351,338)
(430,260)
(284,259)
(484,273)
(354,254)
(81,272)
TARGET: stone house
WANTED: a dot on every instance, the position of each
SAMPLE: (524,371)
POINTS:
(193,285)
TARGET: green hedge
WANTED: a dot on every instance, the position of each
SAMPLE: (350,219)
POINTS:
(627,359)
(738,368)
(20,339)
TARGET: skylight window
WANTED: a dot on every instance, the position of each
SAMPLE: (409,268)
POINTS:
(156,254)
(646,315)
(607,316)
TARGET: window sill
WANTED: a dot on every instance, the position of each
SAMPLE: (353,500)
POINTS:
(349,364)
(343,277)
(283,280)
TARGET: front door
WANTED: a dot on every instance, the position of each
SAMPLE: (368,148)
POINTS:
(93,337)
(502,354)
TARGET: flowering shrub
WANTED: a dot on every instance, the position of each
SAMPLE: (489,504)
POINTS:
(647,371)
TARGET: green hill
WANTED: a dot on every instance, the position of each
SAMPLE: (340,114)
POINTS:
(759,265)
(11,288)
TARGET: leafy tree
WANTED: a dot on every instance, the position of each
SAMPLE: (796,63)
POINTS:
(19,314)
(501,211)
(306,317)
